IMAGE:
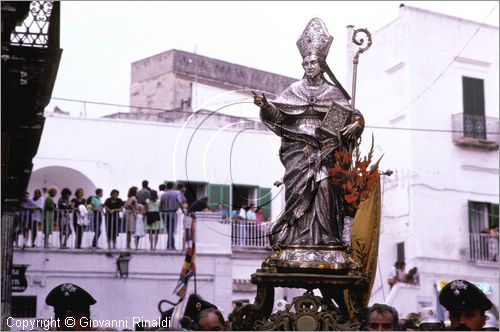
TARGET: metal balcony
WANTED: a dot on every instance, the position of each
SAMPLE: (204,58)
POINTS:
(475,131)
(483,248)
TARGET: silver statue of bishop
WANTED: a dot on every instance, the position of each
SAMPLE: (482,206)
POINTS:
(313,117)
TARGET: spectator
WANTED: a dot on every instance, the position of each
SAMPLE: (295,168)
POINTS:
(139,225)
(466,304)
(413,277)
(181,188)
(153,220)
(49,208)
(130,213)
(258,214)
(243,212)
(63,217)
(161,190)
(36,216)
(96,210)
(493,245)
(210,320)
(200,205)
(113,205)
(144,193)
(79,218)
(45,193)
(382,317)
(429,321)
(412,322)
(251,215)
(27,208)
(397,273)
(170,202)
(224,214)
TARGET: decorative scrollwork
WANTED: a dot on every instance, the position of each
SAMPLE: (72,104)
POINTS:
(34,30)
(310,314)
(359,40)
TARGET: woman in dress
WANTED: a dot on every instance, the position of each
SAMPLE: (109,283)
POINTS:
(49,207)
(139,225)
(75,203)
(153,220)
(130,213)
(63,217)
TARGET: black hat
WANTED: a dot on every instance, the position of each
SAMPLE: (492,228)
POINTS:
(461,294)
(69,299)
(195,304)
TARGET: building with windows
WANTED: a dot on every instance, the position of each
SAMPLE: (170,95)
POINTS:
(428,88)
(205,147)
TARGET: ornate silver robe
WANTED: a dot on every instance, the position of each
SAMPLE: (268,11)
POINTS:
(314,208)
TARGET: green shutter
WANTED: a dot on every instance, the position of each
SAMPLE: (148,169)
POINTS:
(218,193)
(493,215)
(264,200)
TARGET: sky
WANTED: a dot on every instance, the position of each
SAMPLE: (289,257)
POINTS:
(101,39)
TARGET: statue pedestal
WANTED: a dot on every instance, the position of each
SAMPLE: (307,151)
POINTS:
(324,268)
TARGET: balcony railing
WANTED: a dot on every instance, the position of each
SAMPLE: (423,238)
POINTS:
(483,247)
(475,131)
(63,229)
(250,234)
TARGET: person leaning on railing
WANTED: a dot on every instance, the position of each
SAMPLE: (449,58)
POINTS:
(96,211)
(113,205)
(78,222)
(63,216)
(49,208)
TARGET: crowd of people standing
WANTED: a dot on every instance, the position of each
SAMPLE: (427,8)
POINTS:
(145,213)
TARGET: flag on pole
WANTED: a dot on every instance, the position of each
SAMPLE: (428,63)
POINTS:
(188,268)
(365,238)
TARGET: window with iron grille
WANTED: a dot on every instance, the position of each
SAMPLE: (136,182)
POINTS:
(23,306)
(483,232)
(473,99)
(482,216)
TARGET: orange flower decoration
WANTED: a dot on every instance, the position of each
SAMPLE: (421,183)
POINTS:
(354,177)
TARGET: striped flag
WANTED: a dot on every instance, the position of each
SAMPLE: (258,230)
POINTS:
(188,268)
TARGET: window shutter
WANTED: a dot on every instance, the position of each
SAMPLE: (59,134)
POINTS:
(264,199)
(218,193)
(493,215)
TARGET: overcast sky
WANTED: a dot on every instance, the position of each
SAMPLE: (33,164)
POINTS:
(101,39)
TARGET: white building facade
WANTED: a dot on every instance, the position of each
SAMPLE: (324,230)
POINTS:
(428,88)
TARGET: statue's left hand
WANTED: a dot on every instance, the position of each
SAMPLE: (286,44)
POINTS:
(351,130)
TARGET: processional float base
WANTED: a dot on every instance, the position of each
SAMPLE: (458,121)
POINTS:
(308,267)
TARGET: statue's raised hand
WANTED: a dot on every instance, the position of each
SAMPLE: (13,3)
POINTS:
(260,101)
(351,131)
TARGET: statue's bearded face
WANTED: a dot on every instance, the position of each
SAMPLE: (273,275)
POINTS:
(311,66)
